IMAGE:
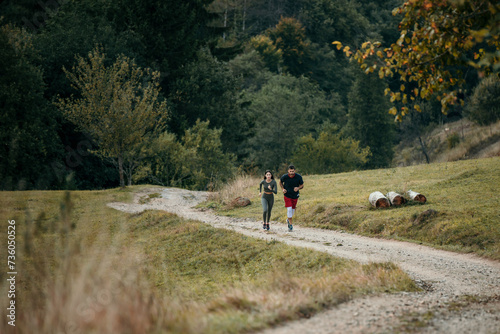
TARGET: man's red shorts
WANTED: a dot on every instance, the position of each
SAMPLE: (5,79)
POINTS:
(290,202)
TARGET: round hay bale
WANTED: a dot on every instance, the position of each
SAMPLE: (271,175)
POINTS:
(417,197)
(378,200)
(395,198)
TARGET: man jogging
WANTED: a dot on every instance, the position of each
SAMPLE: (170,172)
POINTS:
(291,183)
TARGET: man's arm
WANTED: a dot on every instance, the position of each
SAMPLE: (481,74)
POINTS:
(296,189)
(282,187)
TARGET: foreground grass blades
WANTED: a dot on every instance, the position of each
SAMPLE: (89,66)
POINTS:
(86,268)
(463,195)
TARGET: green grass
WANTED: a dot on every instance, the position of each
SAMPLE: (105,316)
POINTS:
(84,267)
(463,193)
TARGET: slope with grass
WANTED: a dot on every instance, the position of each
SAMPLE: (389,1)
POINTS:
(462,195)
(452,141)
(86,268)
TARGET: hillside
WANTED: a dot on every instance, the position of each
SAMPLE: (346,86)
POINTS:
(453,141)
(462,194)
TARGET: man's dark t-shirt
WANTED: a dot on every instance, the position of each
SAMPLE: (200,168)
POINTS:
(291,182)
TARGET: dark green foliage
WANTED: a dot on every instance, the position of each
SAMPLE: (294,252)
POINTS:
(220,62)
(329,153)
(196,162)
(331,20)
(209,166)
(285,109)
(484,104)
(28,130)
(171,31)
(368,120)
(208,90)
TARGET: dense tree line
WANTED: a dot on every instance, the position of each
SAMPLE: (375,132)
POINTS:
(97,94)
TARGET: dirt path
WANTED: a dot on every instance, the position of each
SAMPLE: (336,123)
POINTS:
(461,292)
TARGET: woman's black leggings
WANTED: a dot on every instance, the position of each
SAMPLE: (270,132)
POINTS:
(267,201)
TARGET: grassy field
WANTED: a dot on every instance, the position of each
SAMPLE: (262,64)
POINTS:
(463,195)
(85,268)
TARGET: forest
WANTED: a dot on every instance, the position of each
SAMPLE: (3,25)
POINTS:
(97,94)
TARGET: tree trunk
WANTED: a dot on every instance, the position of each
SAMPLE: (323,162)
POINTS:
(244,13)
(120,171)
(225,23)
(424,150)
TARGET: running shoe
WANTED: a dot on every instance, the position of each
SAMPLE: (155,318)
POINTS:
(264,226)
(290,226)
(267,227)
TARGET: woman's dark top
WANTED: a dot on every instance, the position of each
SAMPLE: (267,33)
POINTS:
(273,185)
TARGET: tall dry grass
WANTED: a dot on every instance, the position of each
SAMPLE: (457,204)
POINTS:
(240,186)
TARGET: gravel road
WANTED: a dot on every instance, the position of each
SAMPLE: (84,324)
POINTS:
(461,292)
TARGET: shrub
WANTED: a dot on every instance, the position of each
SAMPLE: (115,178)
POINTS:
(329,153)
(453,140)
(484,104)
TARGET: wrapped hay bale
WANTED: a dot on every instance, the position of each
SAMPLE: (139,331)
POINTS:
(395,198)
(378,200)
(414,196)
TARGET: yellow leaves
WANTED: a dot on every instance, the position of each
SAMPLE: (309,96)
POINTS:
(338,44)
(393,111)
(386,91)
(365,44)
(380,54)
(480,35)
(417,108)
(402,88)
(423,93)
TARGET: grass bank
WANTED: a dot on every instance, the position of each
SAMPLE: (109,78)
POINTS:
(462,195)
(85,268)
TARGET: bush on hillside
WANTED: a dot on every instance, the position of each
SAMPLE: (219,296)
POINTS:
(484,104)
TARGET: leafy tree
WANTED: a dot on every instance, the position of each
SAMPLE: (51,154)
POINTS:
(269,52)
(289,36)
(484,105)
(196,161)
(438,40)
(207,165)
(368,120)
(208,90)
(329,153)
(329,20)
(28,131)
(285,109)
(166,163)
(251,68)
(118,107)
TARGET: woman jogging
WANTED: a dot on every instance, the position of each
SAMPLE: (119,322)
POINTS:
(267,198)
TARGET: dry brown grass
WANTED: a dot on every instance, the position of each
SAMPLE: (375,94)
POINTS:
(240,186)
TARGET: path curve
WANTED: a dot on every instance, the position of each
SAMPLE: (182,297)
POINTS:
(449,279)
